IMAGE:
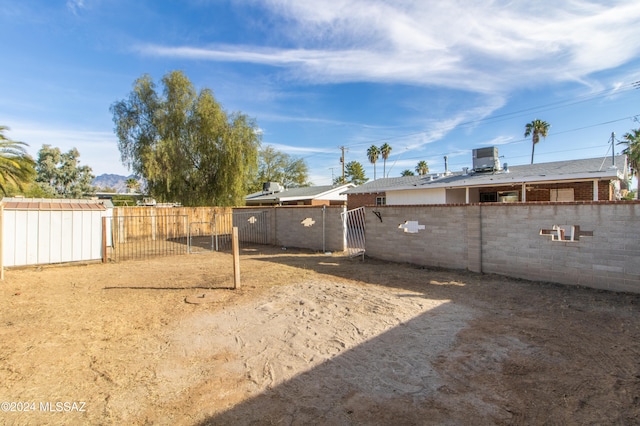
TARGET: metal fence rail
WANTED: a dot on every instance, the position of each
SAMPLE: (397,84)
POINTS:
(354,229)
(253,228)
(142,237)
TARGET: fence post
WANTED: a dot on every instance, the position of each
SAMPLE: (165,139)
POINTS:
(104,239)
(236,258)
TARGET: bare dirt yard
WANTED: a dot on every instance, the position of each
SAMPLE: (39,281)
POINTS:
(310,339)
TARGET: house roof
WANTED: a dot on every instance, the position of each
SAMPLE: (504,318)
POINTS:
(326,192)
(19,203)
(584,169)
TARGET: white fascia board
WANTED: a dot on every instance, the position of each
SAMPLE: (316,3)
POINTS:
(576,177)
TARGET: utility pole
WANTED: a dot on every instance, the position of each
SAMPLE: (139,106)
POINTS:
(343,149)
(613,152)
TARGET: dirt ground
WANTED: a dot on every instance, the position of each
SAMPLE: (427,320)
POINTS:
(310,339)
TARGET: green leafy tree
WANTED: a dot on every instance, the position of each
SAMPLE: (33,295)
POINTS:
(373,153)
(632,151)
(407,172)
(60,174)
(422,168)
(16,166)
(535,129)
(184,145)
(385,151)
(353,173)
(277,166)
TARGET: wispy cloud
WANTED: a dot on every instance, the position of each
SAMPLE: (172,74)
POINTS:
(488,47)
(75,6)
(300,150)
(97,149)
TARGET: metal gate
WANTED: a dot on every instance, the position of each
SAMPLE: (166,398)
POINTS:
(354,229)
(253,228)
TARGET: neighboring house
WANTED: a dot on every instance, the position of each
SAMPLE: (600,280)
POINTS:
(274,194)
(593,179)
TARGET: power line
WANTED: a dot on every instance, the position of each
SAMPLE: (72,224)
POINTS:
(508,115)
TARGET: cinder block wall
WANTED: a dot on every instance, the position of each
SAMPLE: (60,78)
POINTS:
(444,241)
(310,227)
(505,239)
(610,259)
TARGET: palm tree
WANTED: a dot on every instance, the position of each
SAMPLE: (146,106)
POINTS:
(132,184)
(407,172)
(373,153)
(422,168)
(535,129)
(16,166)
(632,151)
(385,150)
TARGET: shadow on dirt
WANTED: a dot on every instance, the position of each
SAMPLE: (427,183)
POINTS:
(496,350)
(386,380)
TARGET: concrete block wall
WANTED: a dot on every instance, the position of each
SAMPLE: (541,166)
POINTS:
(309,227)
(505,239)
(443,242)
(607,260)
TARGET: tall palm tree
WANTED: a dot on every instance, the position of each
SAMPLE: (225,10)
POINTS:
(535,129)
(422,168)
(132,184)
(373,153)
(632,151)
(385,150)
(17,168)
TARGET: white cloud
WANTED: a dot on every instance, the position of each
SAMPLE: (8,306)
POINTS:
(300,150)
(486,47)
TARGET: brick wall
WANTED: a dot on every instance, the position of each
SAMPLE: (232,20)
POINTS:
(360,200)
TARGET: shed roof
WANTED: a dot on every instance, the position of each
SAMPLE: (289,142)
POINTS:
(52,204)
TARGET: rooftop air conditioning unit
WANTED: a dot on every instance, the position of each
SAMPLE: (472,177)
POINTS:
(486,159)
(271,187)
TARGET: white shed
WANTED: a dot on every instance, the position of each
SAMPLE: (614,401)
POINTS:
(43,231)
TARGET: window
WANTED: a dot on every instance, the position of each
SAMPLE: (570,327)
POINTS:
(564,194)
(508,196)
(381,201)
(488,197)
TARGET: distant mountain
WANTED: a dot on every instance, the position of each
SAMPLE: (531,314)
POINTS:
(117,182)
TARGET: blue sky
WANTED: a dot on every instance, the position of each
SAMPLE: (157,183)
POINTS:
(430,78)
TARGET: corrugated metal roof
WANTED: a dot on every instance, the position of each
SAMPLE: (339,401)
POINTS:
(52,204)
